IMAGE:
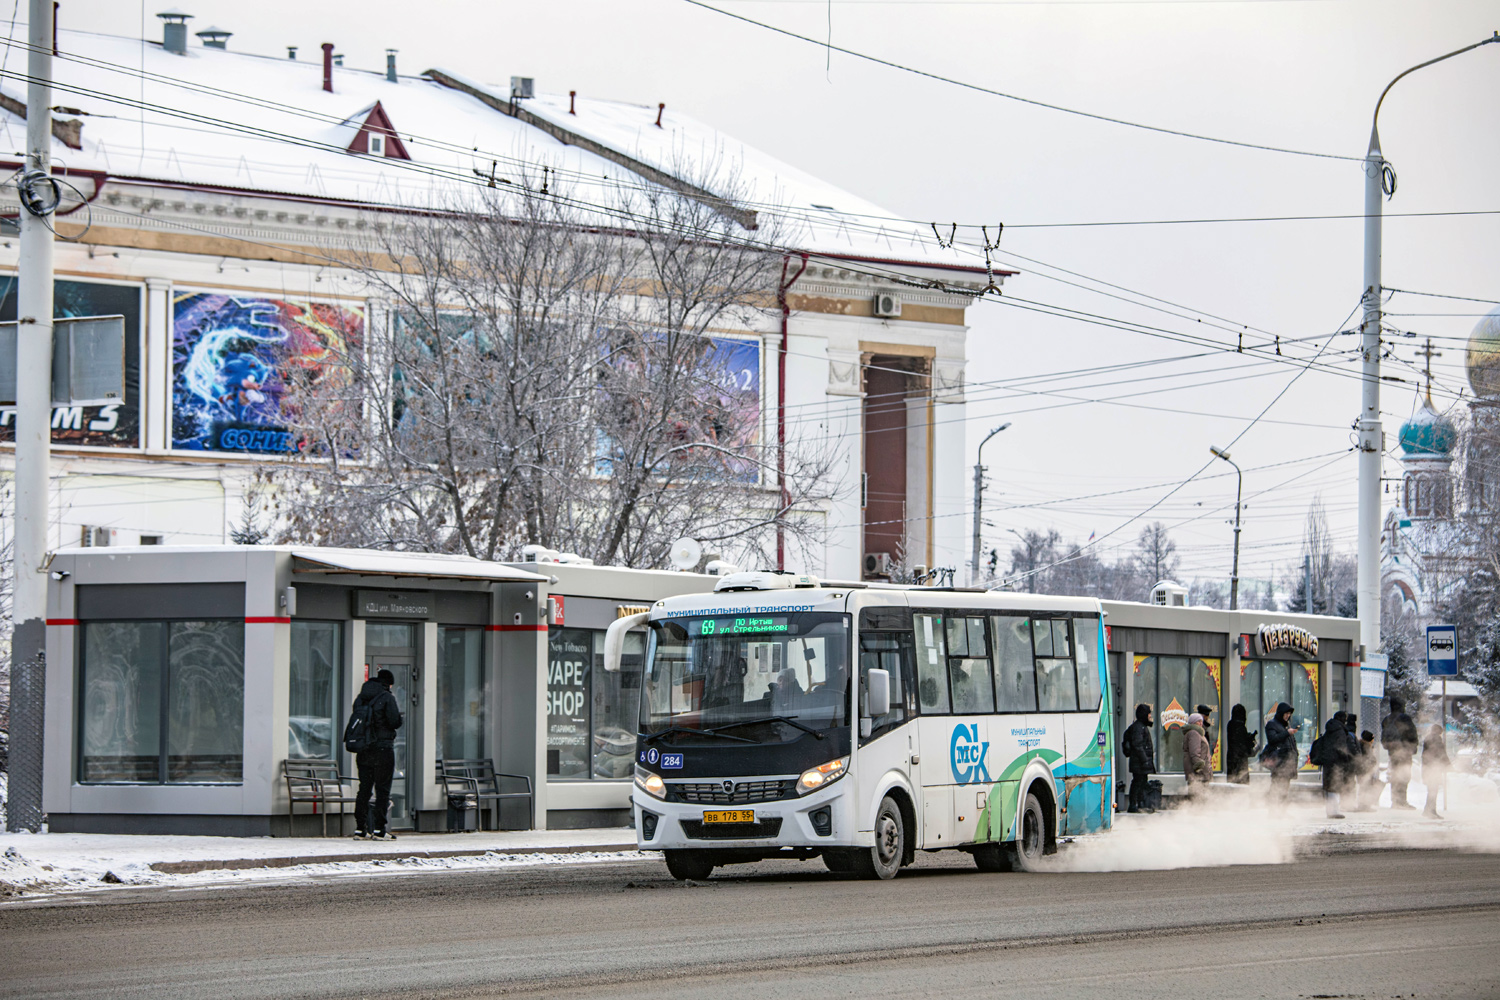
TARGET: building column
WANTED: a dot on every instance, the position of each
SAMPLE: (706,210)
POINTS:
(156,367)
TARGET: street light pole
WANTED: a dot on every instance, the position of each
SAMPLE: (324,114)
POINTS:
(1377,173)
(1239,491)
(979,501)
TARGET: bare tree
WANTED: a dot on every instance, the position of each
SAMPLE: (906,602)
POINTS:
(1156,554)
(555,373)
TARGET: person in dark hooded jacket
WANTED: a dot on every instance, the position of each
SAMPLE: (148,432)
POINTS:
(1241,746)
(1331,753)
(377,762)
(1141,755)
(1281,755)
(1398,734)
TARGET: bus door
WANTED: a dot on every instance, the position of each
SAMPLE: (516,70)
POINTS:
(970,751)
(885,642)
(935,730)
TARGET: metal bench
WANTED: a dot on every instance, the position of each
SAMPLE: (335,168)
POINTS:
(477,777)
(318,782)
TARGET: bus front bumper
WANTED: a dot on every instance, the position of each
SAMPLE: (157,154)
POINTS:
(820,819)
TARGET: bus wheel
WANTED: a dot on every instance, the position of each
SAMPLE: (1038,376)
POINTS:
(1031,838)
(839,861)
(992,857)
(695,865)
(883,860)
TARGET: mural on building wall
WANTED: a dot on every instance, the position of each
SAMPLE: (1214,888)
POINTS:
(233,362)
(112,425)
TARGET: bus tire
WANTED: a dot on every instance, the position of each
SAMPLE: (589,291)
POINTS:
(839,861)
(883,860)
(690,865)
(1031,838)
(992,857)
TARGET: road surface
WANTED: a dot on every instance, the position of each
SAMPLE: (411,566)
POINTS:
(1385,924)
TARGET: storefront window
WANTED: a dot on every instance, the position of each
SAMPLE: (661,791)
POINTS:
(312,705)
(150,687)
(1174,687)
(1274,681)
(461,687)
(616,707)
(570,655)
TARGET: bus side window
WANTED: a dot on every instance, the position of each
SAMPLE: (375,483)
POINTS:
(891,652)
(969,671)
(1056,683)
(932,664)
(1086,651)
(1015,674)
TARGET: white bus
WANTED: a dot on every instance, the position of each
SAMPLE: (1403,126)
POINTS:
(781,717)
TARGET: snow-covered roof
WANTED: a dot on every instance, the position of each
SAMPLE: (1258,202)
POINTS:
(226,119)
(360,562)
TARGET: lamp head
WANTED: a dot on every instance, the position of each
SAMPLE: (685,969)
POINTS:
(1219,453)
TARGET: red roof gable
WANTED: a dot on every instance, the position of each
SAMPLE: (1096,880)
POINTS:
(379,123)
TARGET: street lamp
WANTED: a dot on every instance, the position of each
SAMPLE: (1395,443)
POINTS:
(1377,170)
(979,499)
(1239,489)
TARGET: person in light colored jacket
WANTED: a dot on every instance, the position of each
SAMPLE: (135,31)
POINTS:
(1197,756)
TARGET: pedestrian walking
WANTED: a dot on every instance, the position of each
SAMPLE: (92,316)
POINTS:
(1281,755)
(1140,753)
(1331,753)
(1197,757)
(1435,766)
(1241,746)
(1398,734)
(377,761)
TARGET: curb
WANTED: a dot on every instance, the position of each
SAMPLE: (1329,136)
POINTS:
(231,864)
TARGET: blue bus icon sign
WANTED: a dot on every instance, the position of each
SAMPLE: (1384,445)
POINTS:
(1442,650)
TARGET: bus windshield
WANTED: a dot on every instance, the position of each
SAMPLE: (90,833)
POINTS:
(758,678)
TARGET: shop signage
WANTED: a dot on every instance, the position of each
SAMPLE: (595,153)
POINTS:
(626,610)
(1174,716)
(392,604)
(558,610)
(1270,638)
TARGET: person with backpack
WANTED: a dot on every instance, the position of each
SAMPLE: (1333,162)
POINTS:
(1331,752)
(1280,755)
(371,737)
(1140,754)
(1398,734)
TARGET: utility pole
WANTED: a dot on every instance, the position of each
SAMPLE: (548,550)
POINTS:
(1239,491)
(979,502)
(1380,180)
(33,431)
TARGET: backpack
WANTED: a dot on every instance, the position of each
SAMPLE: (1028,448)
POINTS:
(358,733)
(1318,754)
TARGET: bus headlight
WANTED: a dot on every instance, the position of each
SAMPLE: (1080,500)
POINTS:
(816,777)
(650,783)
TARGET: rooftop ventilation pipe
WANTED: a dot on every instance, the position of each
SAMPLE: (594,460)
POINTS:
(174,31)
(660,110)
(390,65)
(328,66)
(572,97)
(214,38)
(291,52)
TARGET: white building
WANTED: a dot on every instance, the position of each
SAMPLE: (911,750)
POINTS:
(219,183)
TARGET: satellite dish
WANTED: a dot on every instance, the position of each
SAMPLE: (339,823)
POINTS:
(686,552)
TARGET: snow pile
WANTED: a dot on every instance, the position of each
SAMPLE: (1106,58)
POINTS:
(19,876)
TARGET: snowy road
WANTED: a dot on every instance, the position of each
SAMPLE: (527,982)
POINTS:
(1360,925)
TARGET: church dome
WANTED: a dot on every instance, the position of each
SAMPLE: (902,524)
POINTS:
(1483,357)
(1428,432)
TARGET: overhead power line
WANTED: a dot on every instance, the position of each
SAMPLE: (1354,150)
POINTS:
(1016,97)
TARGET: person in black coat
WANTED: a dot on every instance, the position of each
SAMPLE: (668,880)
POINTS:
(1331,753)
(377,762)
(1281,755)
(1140,752)
(1398,734)
(1241,746)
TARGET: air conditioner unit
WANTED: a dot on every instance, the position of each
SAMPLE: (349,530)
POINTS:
(95,537)
(522,87)
(887,305)
(877,564)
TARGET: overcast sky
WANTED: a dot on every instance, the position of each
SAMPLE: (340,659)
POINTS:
(1302,74)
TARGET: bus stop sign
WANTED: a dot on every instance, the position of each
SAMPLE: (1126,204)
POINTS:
(1442,651)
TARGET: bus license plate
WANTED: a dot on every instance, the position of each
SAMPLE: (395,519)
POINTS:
(730,816)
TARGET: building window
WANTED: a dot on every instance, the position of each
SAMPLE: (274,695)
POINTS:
(462,686)
(616,707)
(163,702)
(377,144)
(312,701)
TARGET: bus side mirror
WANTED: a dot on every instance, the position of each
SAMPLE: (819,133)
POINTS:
(877,692)
(614,639)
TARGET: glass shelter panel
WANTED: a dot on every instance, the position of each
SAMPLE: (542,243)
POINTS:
(1173,693)
(312,699)
(462,684)
(206,702)
(121,704)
